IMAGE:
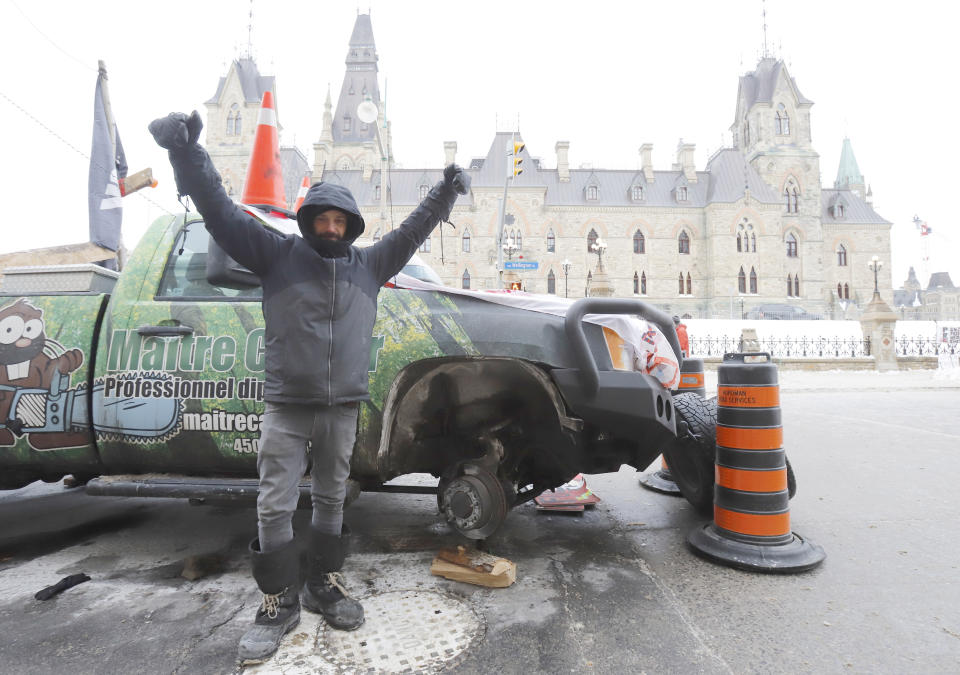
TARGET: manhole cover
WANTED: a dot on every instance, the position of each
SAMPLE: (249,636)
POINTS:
(405,631)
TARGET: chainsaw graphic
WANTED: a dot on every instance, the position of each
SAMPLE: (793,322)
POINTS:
(61,409)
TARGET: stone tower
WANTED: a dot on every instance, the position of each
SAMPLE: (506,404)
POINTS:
(232,115)
(772,128)
(347,143)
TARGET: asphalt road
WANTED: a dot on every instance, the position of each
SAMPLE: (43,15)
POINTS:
(611,591)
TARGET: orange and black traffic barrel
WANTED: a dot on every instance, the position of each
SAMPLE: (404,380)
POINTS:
(691,380)
(751,512)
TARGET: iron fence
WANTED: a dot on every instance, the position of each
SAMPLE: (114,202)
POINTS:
(802,347)
(924,346)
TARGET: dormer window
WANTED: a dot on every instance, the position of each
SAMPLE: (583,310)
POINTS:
(682,193)
(636,193)
(347,122)
(424,189)
(838,211)
(782,121)
(593,193)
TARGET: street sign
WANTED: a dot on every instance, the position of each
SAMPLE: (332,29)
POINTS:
(520,265)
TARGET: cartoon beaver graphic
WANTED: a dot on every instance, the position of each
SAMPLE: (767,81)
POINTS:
(24,365)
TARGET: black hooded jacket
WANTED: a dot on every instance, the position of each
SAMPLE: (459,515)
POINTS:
(319,296)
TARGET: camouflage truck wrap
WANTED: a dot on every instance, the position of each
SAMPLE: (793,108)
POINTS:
(165,376)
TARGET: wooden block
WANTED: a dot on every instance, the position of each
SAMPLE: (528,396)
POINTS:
(474,567)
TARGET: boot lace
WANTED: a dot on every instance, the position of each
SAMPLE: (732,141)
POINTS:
(271,603)
(336,580)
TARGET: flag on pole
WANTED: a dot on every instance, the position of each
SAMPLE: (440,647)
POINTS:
(107,166)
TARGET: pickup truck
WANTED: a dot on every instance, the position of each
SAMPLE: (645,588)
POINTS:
(150,382)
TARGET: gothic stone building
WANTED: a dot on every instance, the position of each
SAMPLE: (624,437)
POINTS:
(754,226)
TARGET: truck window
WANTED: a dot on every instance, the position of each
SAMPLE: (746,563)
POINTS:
(185,274)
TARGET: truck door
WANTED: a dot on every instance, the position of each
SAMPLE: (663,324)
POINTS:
(182,379)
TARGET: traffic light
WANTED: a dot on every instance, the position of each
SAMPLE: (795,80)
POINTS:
(517,159)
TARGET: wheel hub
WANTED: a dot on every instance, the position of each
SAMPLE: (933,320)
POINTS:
(474,502)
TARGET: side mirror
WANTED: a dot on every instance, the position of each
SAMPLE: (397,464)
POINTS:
(224,271)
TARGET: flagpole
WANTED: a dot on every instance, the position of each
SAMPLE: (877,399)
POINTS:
(112,129)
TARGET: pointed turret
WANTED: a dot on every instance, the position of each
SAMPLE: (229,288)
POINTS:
(848,174)
(359,83)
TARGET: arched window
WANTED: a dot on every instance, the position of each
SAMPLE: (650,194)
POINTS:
(840,291)
(841,256)
(551,283)
(465,241)
(424,189)
(233,121)
(376,236)
(425,246)
(838,211)
(551,242)
(639,243)
(791,245)
(742,281)
(789,286)
(636,284)
(791,196)
(681,283)
(739,242)
(518,239)
(846,292)
(683,242)
(753,242)
(753,280)
(689,285)
(796,286)
(643,283)
(591,240)
(465,280)
(782,121)
(344,164)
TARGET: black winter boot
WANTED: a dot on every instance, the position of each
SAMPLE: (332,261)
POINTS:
(324,591)
(277,574)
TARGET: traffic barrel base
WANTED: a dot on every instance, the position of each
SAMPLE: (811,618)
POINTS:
(661,480)
(717,545)
(751,502)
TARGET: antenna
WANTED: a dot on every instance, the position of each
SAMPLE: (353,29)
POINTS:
(250,33)
(765,53)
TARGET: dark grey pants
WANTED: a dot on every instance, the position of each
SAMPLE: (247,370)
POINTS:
(282,462)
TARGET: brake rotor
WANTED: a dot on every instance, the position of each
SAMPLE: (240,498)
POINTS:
(474,502)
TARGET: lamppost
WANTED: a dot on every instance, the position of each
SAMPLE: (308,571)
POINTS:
(566,265)
(598,247)
(875,264)
(369,114)
(510,247)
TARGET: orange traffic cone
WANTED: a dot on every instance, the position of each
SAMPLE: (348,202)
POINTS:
(264,183)
(304,186)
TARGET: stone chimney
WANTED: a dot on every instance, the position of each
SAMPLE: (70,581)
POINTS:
(646,161)
(685,161)
(563,162)
(449,152)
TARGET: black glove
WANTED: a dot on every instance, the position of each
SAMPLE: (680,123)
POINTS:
(176,131)
(456,178)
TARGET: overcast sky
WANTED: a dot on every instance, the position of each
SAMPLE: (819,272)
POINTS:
(606,76)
